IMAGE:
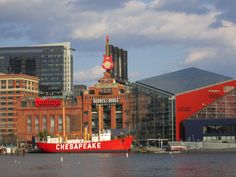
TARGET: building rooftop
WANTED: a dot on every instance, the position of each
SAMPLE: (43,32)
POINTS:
(183,80)
(65,44)
(4,76)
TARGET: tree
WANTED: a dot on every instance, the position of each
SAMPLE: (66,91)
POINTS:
(43,135)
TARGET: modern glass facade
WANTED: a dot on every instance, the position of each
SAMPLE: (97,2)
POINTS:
(224,107)
(51,63)
(214,123)
(151,113)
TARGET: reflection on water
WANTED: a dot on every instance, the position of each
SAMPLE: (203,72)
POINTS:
(118,165)
(203,164)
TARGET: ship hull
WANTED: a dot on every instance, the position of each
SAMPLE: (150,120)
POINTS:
(116,145)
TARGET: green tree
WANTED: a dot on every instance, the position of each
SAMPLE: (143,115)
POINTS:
(43,135)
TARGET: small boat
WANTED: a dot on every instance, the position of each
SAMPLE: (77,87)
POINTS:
(178,148)
(101,144)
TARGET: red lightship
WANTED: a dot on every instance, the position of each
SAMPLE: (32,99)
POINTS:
(116,145)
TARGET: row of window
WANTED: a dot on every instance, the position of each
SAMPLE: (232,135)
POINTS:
(7,131)
(17,82)
(6,108)
(218,138)
(48,123)
(7,114)
(52,57)
(25,87)
(6,103)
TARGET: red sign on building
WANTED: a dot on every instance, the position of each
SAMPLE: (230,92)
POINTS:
(39,102)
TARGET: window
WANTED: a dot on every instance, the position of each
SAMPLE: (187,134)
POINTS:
(119,121)
(29,124)
(67,123)
(23,104)
(122,91)
(36,124)
(10,84)
(44,122)
(3,81)
(52,124)
(60,123)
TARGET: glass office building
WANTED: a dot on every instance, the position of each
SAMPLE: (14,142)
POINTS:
(51,63)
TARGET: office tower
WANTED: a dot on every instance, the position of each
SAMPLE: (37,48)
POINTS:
(120,70)
(79,89)
(51,63)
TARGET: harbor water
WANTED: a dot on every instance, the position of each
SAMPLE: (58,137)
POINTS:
(198,164)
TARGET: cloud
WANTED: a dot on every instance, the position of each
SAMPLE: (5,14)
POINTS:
(91,31)
(134,75)
(200,27)
(90,75)
(131,22)
(190,6)
(228,9)
(197,55)
(101,5)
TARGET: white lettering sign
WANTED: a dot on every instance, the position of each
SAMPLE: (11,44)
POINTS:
(106,100)
(81,146)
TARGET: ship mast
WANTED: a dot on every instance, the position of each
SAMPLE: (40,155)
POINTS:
(63,119)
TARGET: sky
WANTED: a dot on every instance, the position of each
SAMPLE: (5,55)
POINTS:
(161,36)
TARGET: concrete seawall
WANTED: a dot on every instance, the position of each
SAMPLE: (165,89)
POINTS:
(203,145)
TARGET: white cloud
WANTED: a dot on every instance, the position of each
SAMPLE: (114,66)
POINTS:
(227,23)
(130,22)
(197,55)
(134,75)
(136,20)
(91,31)
(92,74)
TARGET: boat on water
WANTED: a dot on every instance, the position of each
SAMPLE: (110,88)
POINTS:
(98,143)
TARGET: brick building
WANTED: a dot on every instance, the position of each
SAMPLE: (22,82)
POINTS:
(13,89)
(49,114)
(105,104)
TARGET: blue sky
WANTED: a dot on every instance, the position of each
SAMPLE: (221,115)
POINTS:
(160,36)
